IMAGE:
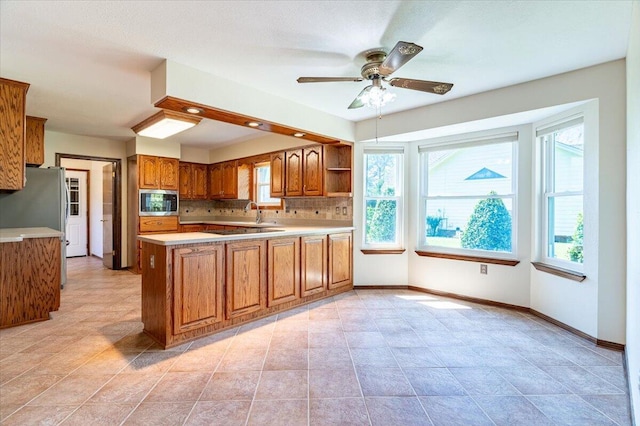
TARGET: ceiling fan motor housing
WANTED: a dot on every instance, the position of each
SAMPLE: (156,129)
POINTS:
(371,70)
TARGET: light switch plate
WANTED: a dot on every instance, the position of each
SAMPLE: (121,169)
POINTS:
(483,269)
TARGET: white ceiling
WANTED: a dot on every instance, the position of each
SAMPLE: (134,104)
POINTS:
(88,62)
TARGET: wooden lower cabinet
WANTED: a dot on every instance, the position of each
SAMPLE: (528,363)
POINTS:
(198,281)
(246,283)
(313,264)
(340,260)
(283,270)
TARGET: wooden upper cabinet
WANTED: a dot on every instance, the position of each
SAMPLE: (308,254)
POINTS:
(148,172)
(215,181)
(193,181)
(198,283)
(277,174)
(340,260)
(158,172)
(312,171)
(13,95)
(223,180)
(338,163)
(34,155)
(168,173)
(293,173)
(230,179)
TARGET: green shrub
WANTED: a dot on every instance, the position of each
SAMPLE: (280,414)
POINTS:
(575,252)
(489,227)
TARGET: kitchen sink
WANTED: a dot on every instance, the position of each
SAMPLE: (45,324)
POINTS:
(241,231)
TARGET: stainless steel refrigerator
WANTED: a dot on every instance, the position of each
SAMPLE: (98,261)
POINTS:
(42,202)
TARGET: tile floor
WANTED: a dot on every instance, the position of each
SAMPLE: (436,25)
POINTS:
(370,357)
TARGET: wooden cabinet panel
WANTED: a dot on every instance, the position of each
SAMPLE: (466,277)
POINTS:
(313,264)
(147,172)
(293,171)
(245,277)
(193,227)
(312,171)
(197,287)
(277,174)
(168,173)
(34,155)
(158,223)
(199,181)
(29,280)
(283,270)
(13,96)
(230,179)
(184,181)
(215,181)
(338,163)
(340,260)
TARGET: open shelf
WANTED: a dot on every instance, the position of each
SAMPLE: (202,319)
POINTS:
(337,170)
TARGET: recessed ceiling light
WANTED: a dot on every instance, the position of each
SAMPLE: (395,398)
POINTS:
(253,124)
(298,134)
(194,110)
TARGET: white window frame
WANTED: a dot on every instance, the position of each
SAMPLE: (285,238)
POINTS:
(547,163)
(465,141)
(399,198)
(257,185)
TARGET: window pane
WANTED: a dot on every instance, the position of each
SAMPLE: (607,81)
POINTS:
(565,232)
(568,159)
(381,219)
(263,174)
(382,175)
(475,224)
(476,170)
(264,195)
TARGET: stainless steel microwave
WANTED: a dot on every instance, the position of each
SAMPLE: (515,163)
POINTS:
(157,202)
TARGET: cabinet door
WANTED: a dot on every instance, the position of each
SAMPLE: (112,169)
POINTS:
(13,96)
(215,181)
(293,171)
(340,263)
(277,174)
(184,181)
(245,277)
(197,287)
(168,173)
(147,172)
(283,271)
(34,154)
(313,264)
(199,181)
(312,171)
(230,179)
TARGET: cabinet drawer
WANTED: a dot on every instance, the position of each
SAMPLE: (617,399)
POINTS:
(157,224)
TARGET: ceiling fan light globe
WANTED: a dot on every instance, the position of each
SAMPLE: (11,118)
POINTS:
(377,97)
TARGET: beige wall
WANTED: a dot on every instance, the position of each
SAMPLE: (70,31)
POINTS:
(269,142)
(64,143)
(633,211)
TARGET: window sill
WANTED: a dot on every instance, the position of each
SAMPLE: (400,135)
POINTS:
(560,272)
(492,260)
(382,251)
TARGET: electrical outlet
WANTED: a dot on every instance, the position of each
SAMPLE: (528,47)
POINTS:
(337,210)
(344,211)
(152,261)
(483,269)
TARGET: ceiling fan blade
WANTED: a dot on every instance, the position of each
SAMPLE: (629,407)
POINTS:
(357,102)
(435,87)
(327,79)
(402,53)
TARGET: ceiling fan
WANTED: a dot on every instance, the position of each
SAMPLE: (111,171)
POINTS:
(378,67)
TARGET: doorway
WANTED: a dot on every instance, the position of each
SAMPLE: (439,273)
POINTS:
(77,229)
(99,229)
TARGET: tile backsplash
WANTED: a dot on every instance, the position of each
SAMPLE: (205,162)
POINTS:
(320,208)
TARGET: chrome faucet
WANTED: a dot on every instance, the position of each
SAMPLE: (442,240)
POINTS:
(258,212)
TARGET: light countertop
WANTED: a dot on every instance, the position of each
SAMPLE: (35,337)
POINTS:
(203,237)
(12,235)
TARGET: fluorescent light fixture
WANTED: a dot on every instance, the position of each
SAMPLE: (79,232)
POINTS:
(165,123)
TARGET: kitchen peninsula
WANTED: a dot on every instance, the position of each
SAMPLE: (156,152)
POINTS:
(197,283)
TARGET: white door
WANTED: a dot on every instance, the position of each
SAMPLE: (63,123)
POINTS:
(77,225)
